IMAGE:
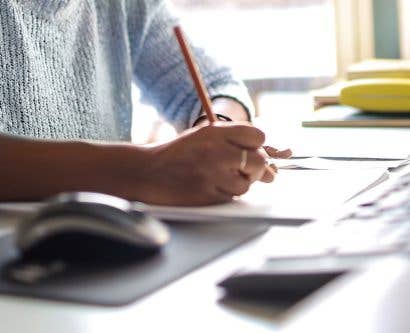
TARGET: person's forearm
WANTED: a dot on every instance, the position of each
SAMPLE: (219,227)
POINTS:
(36,169)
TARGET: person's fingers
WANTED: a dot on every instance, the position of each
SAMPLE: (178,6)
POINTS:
(269,175)
(231,157)
(218,196)
(241,135)
(223,154)
(264,153)
(206,193)
(267,157)
(287,153)
(234,183)
(273,167)
(270,151)
(254,164)
(276,153)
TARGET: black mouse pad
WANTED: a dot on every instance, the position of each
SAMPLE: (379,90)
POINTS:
(120,283)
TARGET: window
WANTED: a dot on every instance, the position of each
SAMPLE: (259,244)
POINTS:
(277,45)
(272,44)
(354,32)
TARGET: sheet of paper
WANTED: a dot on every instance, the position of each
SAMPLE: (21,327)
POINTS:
(294,195)
(319,163)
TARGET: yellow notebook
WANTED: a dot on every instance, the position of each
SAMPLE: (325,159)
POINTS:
(377,95)
(373,86)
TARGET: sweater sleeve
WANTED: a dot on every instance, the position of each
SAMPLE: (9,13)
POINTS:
(161,73)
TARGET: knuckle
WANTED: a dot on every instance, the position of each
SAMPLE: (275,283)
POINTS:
(259,160)
(260,136)
(257,135)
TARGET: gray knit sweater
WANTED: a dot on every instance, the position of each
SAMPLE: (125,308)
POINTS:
(66,68)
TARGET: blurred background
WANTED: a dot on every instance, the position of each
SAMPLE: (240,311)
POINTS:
(285,47)
(286,40)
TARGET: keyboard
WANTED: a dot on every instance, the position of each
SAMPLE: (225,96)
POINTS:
(296,262)
(376,223)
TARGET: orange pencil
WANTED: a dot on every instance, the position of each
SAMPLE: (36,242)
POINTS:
(195,74)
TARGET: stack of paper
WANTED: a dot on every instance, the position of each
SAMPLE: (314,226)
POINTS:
(294,196)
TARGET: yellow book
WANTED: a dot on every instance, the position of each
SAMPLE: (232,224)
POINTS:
(374,85)
(346,116)
(377,95)
(379,68)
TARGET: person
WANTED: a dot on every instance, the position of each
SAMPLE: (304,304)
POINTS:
(66,69)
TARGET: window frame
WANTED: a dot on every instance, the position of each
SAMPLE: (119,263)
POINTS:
(404,28)
(354,32)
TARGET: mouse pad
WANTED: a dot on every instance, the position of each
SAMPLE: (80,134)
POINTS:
(120,283)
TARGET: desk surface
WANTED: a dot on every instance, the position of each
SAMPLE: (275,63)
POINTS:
(281,116)
(194,302)
(188,305)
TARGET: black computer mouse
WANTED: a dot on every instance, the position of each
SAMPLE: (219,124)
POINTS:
(92,227)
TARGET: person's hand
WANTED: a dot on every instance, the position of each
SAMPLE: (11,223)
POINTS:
(206,165)
(233,110)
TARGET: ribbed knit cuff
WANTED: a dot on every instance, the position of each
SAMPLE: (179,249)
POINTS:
(236,92)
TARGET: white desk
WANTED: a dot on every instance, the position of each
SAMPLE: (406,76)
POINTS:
(188,305)
(281,115)
(191,304)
